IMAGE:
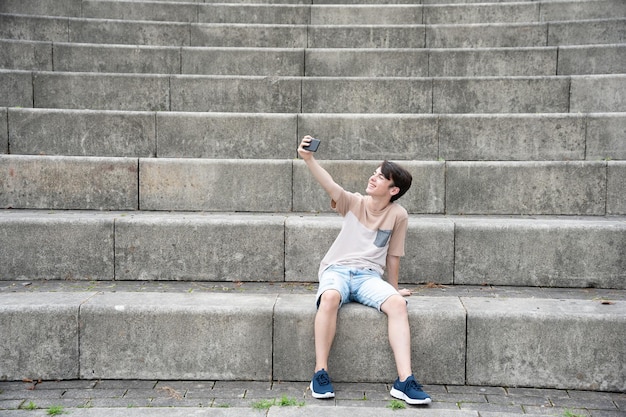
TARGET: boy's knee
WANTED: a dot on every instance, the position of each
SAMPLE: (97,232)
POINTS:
(396,304)
(330,299)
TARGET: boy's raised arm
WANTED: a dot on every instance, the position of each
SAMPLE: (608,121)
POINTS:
(322,176)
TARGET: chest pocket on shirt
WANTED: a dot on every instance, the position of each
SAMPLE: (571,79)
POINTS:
(382,237)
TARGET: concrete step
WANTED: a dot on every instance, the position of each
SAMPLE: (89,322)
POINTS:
(346,62)
(323,14)
(164,184)
(539,251)
(183,93)
(107,31)
(515,137)
(485,339)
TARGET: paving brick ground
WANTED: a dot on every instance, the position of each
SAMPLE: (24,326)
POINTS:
(16,398)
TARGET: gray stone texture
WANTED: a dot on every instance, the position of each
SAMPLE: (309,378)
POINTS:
(221,339)
(65,246)
(118,58)
(235,94)
(69,183)
(251,36)
(361,349)
(276,13)
(36,28)
(592,59)
(365,14)
(154,11)
(609,31)
(25,55)
(82,133)
(101,91)
(367,95)
(486,35)
(227,135)
(546,188)
(581,10)
(199,247)
(372,136)
(40,335)
(366,36)
(598,94)
(523,137)
(546,343)
(492,62)
(426,195)
(501,95)
(4,131)
(16,89)
(543,253)
(606,136)
(379,62)
(42,7)
(616,187)
(215,185)
(243,61)
(128,32)
(481,13)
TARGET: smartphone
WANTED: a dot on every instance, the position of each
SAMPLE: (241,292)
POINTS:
(312,147)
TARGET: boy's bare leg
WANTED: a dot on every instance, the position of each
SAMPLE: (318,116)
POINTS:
(399,333)
(325,327)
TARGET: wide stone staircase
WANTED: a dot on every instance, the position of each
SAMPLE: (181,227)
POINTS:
(156,223)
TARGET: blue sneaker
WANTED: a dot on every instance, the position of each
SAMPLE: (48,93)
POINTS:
(410,391)
(321,386)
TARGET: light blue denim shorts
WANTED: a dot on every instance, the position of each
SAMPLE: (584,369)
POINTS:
(364,286)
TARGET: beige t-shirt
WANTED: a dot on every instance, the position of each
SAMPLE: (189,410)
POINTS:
(366,237)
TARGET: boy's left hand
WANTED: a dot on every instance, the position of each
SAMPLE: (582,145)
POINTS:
(405,292)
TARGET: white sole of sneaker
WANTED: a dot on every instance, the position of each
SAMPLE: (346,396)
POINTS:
(402,396)
(321,396)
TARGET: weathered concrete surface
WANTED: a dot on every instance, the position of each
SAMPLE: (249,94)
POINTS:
(281,62)
(592,59)
(366,14)
(16,88)
(370,137)
(366,95)
(481,13)
(587,32)
(252,36)
(575,188)
(227,135)
(426,195)
(4,131)
(116,58)
(42,7)
(523,137)
(199,247)
(616,187)
(276,13)
(65,182)
(40,335)
(501,95)
(581,10)
(128,32)
(598,94)
(82,133)
(429,248)
(479,62)
(369,62)
(606,136)
(366,36)
(361,349)
(550,252)
(68,246)
(25,55)
(155,11)
(546,343)
(215,185)
(235,94)
(101,91)
(486,35)
(36,28)
(215,338)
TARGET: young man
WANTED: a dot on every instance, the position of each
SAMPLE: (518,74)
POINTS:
(371,241)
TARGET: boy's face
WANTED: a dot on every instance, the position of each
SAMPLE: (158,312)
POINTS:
(379,186)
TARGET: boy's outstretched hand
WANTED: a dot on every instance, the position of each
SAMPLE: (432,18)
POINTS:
(304,154)
(405,292)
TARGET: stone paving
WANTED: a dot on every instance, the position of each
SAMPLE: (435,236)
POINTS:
(76,396)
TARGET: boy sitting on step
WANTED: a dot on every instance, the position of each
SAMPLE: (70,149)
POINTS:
(371,241)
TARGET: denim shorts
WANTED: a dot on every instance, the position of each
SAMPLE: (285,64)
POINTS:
(364,286)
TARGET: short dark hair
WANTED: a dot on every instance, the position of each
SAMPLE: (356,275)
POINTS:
(401,177)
